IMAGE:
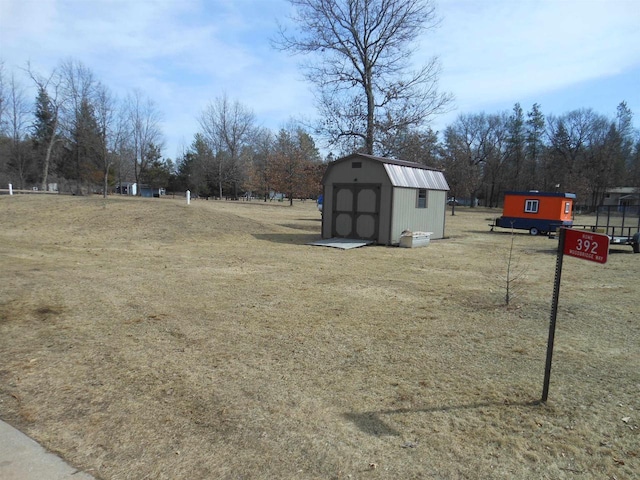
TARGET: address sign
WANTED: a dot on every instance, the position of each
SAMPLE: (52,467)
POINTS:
(586,245)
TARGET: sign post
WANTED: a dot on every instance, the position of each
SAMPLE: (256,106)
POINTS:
(580,244)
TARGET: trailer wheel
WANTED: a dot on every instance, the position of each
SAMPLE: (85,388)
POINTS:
(636,247)
(533,231)
(636,243)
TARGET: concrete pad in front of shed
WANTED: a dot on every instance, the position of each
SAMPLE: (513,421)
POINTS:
(343,243)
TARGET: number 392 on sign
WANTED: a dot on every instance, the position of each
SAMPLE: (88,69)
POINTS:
(588,246)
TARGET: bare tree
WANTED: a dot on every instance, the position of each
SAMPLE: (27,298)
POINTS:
(143,119)
(292,165)
(228,127)
(495,167)
(507,272)
(573,138)
(259,172)
(48,109)
(20,159)
(467,149)
(121,151)
(363,74)
(3,97)
(109,131)
(413,145)
(79,124)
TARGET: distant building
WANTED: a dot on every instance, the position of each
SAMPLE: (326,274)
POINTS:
(622,197)
(127,188)
(152,192)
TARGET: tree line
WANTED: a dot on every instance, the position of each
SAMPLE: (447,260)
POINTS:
(581,151)
(232,156)
(77,134)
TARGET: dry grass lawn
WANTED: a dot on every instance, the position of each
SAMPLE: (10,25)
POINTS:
(148,339)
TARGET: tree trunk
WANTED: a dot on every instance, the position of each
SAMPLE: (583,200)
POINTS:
(106,183)
(370,112)
(45,167)
(47,157)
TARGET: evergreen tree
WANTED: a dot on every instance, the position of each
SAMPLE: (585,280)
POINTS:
(624,126)
(20,161)
(44,132)
(43,126)
(81,162)
(535,147)
(515,153)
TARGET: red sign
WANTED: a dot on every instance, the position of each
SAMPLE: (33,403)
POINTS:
(586,245)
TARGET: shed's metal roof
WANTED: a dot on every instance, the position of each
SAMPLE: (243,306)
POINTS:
(402,176)
(403,173)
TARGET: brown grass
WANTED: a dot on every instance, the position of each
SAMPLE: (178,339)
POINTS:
(151,339)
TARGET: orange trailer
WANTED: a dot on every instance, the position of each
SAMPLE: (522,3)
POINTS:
(538,212)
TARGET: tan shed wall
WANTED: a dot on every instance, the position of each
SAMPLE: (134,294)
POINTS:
(407,217)
(371,172)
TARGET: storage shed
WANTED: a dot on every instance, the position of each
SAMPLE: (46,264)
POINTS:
(377,198)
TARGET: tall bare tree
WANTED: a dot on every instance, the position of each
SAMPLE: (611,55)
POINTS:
(361,66)
(467,148)
(259,172)
(570,136)
(79,126)
(20,159)
(228,127)
(3,96)
(145,135)
(105,113)
(495,167)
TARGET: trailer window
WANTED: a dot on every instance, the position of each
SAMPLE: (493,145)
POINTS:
(531,206)
(567,207)
(422,198)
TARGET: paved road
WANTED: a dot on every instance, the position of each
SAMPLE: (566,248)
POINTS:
(22,458)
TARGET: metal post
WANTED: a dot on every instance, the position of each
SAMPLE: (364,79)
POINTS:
(554,313)
(188,197)
(10,189)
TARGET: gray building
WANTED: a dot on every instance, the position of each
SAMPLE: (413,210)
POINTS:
(376,198)
(622,197)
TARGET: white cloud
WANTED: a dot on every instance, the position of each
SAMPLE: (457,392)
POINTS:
(185,53)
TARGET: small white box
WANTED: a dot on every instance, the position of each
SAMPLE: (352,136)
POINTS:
(415,239)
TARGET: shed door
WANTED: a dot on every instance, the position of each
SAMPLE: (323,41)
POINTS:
(356,211)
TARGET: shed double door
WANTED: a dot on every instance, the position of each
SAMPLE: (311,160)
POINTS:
(356,211)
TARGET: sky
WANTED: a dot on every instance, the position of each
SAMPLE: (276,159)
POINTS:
(183,54)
